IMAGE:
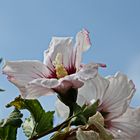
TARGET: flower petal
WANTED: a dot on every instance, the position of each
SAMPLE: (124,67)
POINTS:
(34,91)
(22,72)
(68,82)
(127,126)
(114,93)
(92,89)
(61,109)
(88,71)
(60,86)
(57,45)
(76,82)
(118,95)
(82,44)
(40,87)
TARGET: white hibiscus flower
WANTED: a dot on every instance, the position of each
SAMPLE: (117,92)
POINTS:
(61,70)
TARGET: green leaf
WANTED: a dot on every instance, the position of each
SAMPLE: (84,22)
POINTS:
(90,110)
(46,122)
(9,126)
(79,119)
(14,119)
(8,133)
(33,106)
(85,113)
(41,120)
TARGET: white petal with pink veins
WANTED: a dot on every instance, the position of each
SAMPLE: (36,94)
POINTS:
(57,45)
(76,83)
(34,91)
(127,126)
(82,44)
(22,72)
(87,71)
(68,82)
(40,87)
(93,89)
(118,95)
(60,86)
(44,82)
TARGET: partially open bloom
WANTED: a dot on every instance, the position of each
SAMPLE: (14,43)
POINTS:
(114,94)
(61,70)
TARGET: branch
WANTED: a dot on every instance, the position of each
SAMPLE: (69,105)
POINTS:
(58,127)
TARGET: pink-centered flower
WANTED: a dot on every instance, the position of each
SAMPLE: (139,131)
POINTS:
(114,94)
(60,71)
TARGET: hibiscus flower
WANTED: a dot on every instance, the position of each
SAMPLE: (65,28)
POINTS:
(114,94)
(60,71)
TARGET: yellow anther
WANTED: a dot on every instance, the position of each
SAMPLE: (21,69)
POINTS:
(60,69)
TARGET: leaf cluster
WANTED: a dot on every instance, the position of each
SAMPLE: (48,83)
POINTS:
(39,121)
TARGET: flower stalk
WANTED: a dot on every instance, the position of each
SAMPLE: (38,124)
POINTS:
(57,128)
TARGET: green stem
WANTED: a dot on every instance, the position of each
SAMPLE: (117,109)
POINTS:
(62,125)
(48,131)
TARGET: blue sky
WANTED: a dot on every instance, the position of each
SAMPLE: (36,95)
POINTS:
(26,28)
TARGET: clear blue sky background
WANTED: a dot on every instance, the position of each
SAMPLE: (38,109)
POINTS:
(26,28)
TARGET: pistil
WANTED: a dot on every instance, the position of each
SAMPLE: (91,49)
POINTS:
(59,67)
